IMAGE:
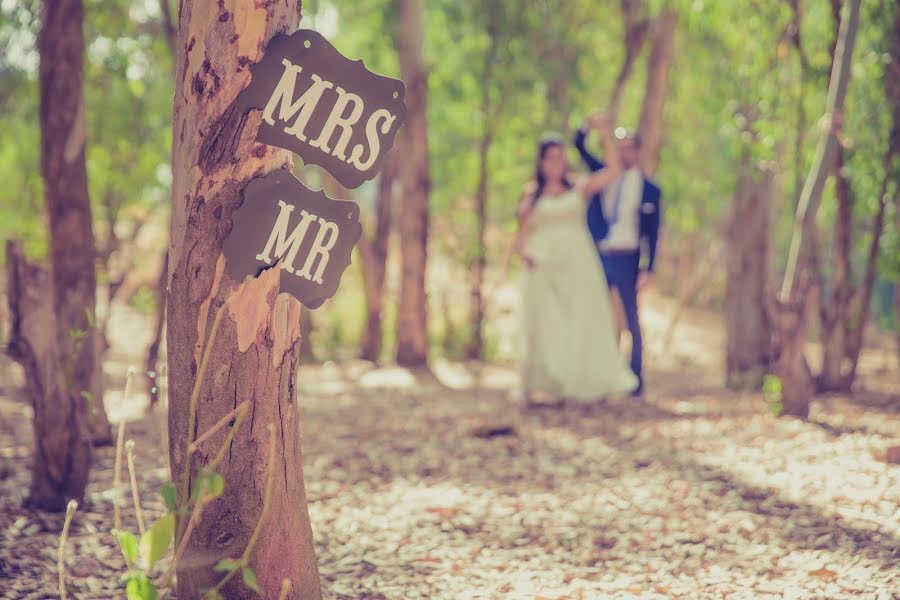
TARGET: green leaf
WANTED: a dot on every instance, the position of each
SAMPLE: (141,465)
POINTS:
(139,587)
(129,545)
(87,395)
(209,486)
(226,565)
(169,494)
(156,540)
(212,595)
(216,485)
(250,579)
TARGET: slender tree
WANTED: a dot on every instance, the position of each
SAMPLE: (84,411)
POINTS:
(659,65)
(491,108)
(412,321)
(236,342)
(636,26)
(747,260)
(373,251)
(790,312)
(54,335)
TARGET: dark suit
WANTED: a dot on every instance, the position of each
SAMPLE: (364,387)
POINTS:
(622,268)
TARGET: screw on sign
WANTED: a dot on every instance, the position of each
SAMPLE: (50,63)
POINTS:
(329,110)
(283,220)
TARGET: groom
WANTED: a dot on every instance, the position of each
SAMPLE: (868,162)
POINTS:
(620,219)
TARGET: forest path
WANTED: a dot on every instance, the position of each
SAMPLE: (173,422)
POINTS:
(442,486)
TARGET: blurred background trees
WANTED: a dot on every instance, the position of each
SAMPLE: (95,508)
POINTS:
(729,96)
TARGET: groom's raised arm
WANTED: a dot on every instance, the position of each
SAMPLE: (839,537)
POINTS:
(593,163)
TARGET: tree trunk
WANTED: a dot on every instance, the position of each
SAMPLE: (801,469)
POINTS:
(635,27)
(662,53)
(811,197)
(835,310)
(254,356)
(789,329)
(62,451)
(748,251)
(897,319)
(150,366)
(61,340)
(412,313)
(789,313)
(72,251)
(475,348)
(374,253)
(862,306)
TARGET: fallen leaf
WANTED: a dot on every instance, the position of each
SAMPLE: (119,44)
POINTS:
(826,575)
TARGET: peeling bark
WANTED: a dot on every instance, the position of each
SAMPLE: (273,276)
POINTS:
(255,355)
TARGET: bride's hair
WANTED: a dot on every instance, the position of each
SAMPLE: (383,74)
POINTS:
(546,143)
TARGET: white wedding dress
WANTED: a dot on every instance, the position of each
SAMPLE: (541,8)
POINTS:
(568,336)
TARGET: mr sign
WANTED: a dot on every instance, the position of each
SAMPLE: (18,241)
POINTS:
(331,111)
(311,234)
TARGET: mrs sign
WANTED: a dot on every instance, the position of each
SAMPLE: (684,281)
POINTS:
(330,110)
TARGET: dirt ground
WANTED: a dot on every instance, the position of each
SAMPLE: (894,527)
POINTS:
(442,486)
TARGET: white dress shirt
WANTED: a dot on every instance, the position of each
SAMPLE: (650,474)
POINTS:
(624,224)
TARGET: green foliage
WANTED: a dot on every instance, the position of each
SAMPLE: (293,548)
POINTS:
(250,579)
(169,494)
(772,393)
(156,541)
(139,587)
(226,565)
(208,485)
(129,546)
(144,300)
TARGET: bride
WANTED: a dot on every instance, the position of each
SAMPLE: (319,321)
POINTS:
(568,335)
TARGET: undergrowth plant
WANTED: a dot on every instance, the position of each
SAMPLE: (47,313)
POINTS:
(152,553)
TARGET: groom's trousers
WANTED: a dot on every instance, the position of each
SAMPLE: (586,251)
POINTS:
(622,273)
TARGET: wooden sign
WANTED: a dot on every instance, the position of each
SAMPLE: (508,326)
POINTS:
(281,218)
(331,111)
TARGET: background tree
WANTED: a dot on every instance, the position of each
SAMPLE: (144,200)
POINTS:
(412,311)
(54,332)
(790,313)
(247,334)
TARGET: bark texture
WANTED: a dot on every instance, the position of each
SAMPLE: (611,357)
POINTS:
(635,27)
(72,249)
(373,252)
(659,64)
(412,318)
(62,449)
(748,251)
(53,333)
(255,355)
(790,312)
